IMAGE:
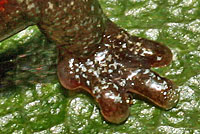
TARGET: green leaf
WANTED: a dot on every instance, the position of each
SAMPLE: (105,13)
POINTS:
(34,102)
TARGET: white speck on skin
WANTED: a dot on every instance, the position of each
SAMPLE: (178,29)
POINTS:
(131,49)
(77,70)
(165,93)
(159,58)
(146,71)
(105,87)
(88,82)
(50,5)
(30,6)
(122,83)
(65,9)
(134,73)
(155,85)
(124,45)
(115,86)
(77,77)
(116,98)
(109,58)
(72,3)
(110,71)
(71,61)
(107,45)
(114,65)
(83,68)
(103,81)
(119,36)
(100,56)
(71,72)
(138,44)
(130,42)
(96,90)
(89,62)
(85,76)
(98,96)
(90,70)
(146,51)
(77,65)
(96,74)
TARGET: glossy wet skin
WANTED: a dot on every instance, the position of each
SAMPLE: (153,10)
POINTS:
(94,54)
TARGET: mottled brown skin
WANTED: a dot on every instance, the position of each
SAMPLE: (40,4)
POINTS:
(94,53)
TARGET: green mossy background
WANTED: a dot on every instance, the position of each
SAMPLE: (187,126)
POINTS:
(33,101)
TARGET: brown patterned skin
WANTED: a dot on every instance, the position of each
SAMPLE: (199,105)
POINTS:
(94,53)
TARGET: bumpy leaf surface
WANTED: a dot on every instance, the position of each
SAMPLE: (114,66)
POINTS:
(34,102)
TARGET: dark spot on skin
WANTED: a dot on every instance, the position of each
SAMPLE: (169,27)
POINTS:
(95,54)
